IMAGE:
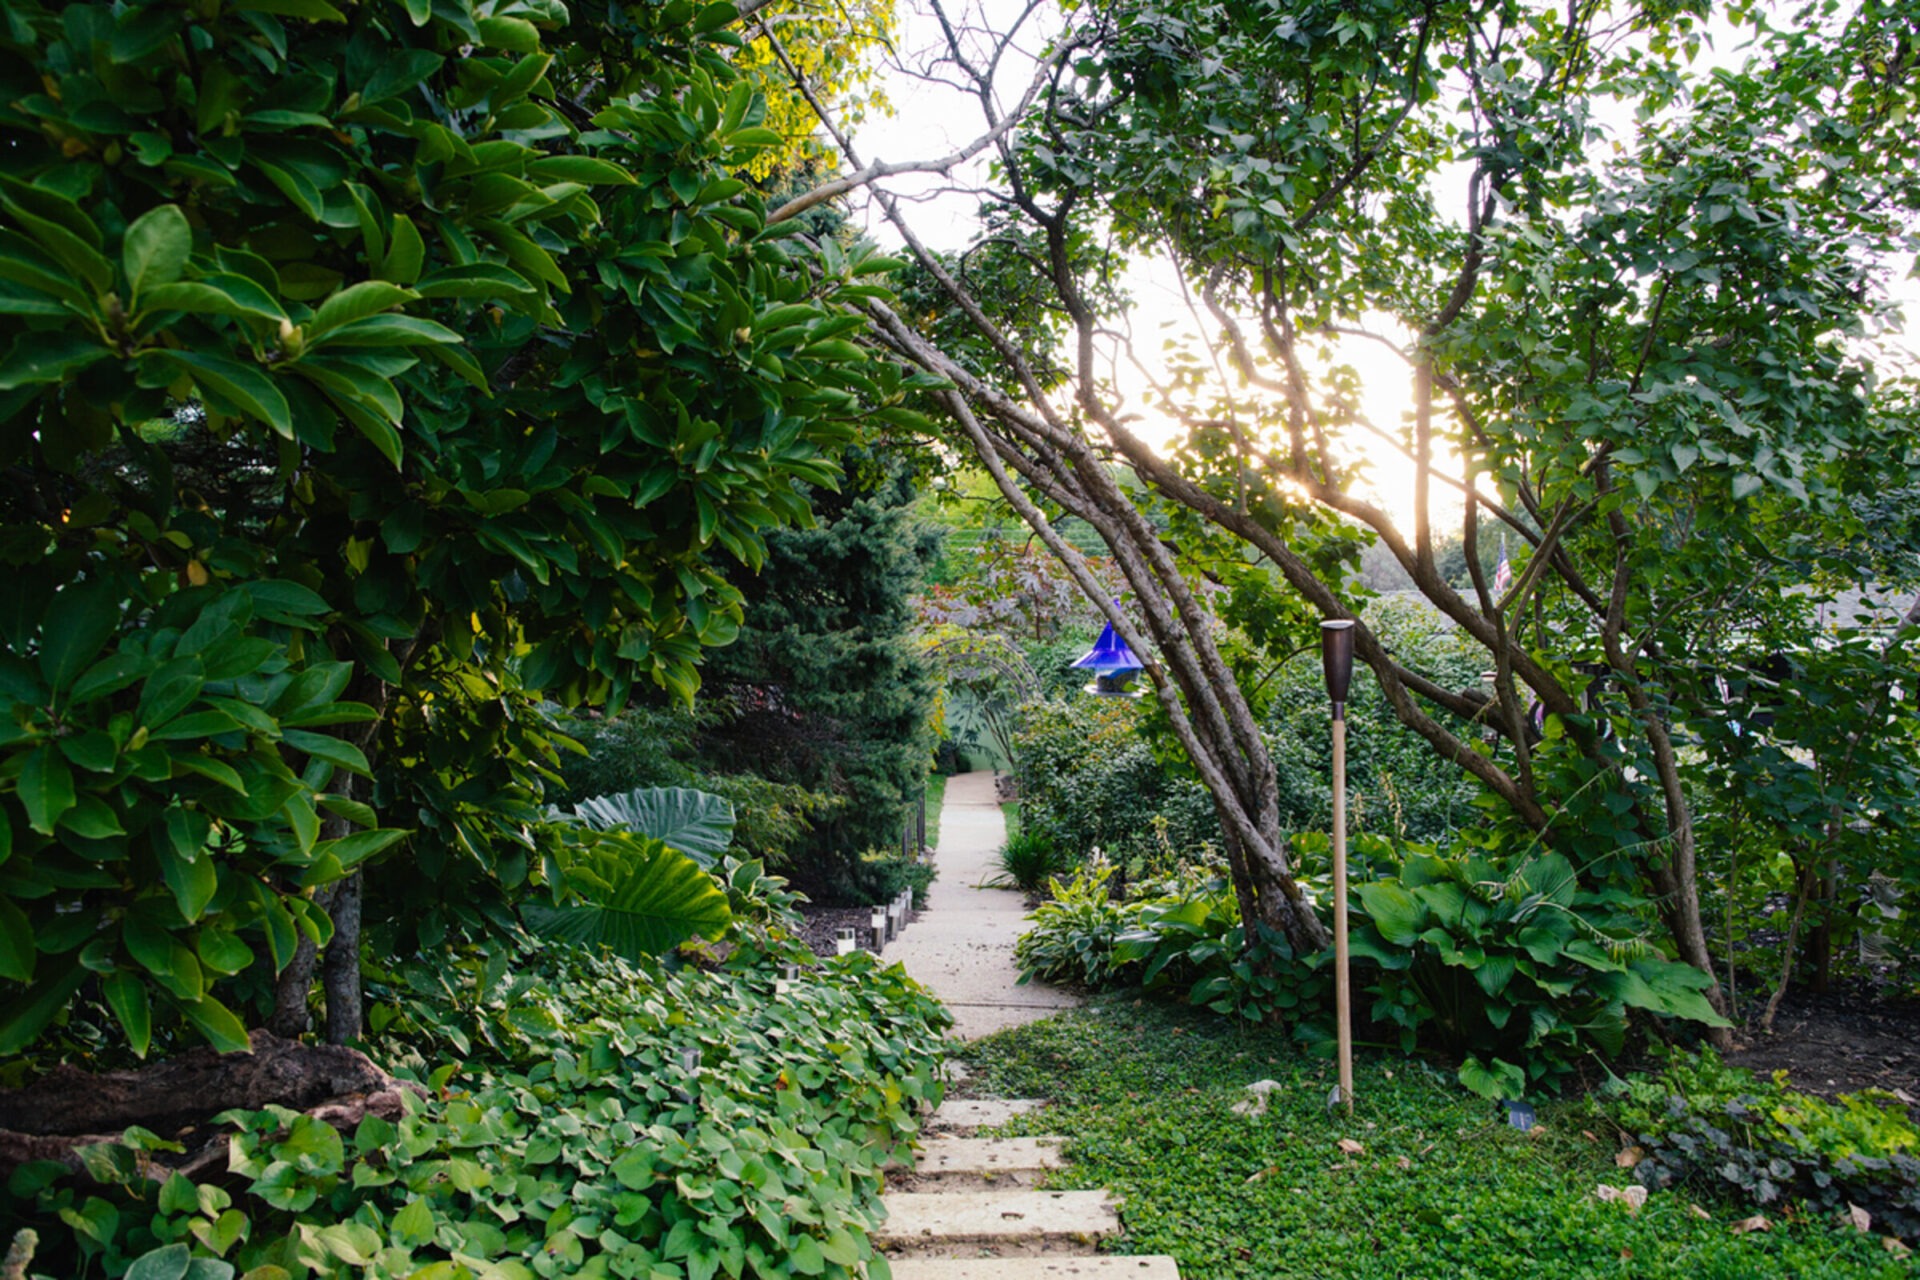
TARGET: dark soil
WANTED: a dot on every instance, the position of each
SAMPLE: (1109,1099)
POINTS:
(1839,1041)
(822,923)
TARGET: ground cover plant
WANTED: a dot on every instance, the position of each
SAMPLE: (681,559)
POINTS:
(1434,1184)
(561,1133)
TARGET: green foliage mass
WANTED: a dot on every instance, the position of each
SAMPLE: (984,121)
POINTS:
(1441,1185)
(365,373)
(568,1138)
(1515,966)
(824,687)
(1181,933)
(1705,1124)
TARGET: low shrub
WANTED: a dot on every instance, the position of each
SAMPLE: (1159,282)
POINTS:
(1028,860)
(1514,968)
(1704,1122)
(1181,932)
(1075,931)
(879,875)
(569,1138)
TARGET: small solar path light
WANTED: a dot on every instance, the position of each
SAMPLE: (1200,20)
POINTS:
(844,943)
(1336,656)
(877,920)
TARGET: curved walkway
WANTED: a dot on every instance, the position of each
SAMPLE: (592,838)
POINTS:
(961,946)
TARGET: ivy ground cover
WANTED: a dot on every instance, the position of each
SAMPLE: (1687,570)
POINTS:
(1432,1183)
(583,1117)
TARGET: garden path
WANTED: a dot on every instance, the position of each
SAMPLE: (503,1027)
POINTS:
(961,946)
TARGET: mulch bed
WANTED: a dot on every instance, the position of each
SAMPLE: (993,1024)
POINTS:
(1839,1041)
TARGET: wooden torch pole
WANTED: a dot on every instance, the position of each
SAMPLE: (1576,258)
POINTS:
(1342,988)
(1336,654)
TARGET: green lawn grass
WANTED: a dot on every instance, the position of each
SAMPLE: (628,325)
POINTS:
(1443,1189)
(1011,810)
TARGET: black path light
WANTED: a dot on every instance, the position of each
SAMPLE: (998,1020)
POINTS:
(1336,655)
(1112,664)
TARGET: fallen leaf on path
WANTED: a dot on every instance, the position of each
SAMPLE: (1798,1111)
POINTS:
(1351,1147)
(1895,1246)
(1860,1218)
(1698,1212)
(1404,1163)
(1264,1173)
(1758,1222)
(1630,1157)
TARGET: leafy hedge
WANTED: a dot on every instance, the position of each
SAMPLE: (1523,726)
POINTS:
(571,1142)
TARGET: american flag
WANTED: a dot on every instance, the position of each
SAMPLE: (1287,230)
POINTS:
(1502,572)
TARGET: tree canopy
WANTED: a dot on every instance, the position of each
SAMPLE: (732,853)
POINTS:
(370,373)
(1641,337)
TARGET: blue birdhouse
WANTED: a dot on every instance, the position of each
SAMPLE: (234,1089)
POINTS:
(1113,666)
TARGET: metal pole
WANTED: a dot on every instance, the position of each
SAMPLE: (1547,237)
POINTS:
(1342,988)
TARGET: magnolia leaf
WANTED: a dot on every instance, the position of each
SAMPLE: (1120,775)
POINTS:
(156,249)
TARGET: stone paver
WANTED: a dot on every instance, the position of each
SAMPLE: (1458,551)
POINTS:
(961,946)
(1011,1223)
(948,1161)
(961,1115)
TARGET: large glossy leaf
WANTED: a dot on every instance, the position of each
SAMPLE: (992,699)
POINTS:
(639,898)
(698,823)
(1397,913)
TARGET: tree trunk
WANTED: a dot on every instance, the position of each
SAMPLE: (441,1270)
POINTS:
(341,977)
(178,1097)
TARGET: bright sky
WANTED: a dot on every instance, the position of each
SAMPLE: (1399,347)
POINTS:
(933,120)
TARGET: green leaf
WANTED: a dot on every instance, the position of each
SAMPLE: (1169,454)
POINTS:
(45,785)
(222,294)
(643,899)
(47,356)
(323,746)
(169,1262)
(1396,913)
(357,302)
(697,823)
(406,253)
(712,17)
(23,1018)
(16,943)
(584,169)
(156,249)
(217,1023)
(482,280)
(352,850)
(77,626)
(516,35)
(1495,1081)
(414,1225)
(192,880)
(312,10)
(234,388)
(127,997)
(387,331)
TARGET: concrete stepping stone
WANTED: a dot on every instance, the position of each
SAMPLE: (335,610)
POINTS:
(1011,1223)
(962,1163)
(962,1115)
(1156,1267)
